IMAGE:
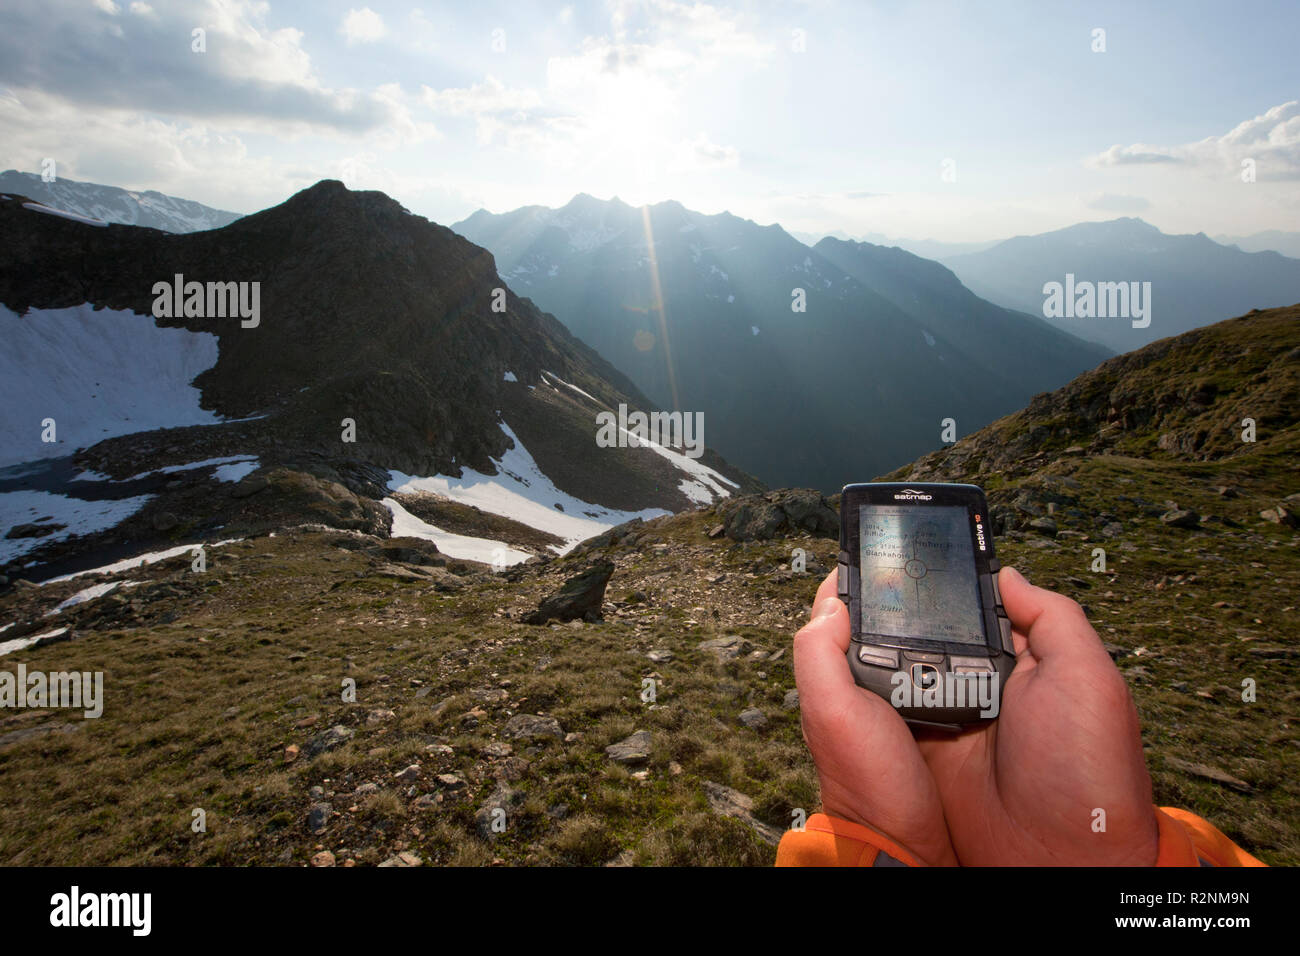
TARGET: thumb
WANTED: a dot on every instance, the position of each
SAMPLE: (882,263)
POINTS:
(820,667)
(1053,624)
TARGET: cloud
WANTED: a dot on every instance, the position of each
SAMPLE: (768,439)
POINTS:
(1134,156)
(490,96)
(252,76)
(1113,202)
(362,26)
(701,153)
(1271,139)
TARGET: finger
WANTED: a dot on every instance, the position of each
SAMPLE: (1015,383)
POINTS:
(821,670)
(1053,625)
(828,588)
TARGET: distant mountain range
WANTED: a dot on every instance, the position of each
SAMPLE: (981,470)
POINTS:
(1194,280)
(701,312)
(925,248)
(111,204)
(1272,240)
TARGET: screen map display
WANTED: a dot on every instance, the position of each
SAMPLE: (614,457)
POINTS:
(918,573)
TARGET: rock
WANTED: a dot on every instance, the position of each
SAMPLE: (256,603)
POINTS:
(33,530)
(380,716)
(717,531)
(1274,653)
(580,597)
(249,486)
(754,519)
(496,749)
(1181,518)
(1112,529)
(451,781)
(291,753)
(488,821)
(489,695)
(531,727)
(660,657)
(323,858)
(1206,772)
(308,499)
(806,510)
(631,750)
(728,647)
(1045,525)
(1226,491)
(753,718)
(405,858)
(334,737)
(791,701)
(727,802)
(409,775)
(1114,650)
(318,817)
(164,521)
(1281,515)
(365,790)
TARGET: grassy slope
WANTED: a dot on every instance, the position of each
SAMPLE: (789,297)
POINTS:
(204,692)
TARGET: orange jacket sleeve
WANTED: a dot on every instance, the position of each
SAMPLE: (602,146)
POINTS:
(1185,840)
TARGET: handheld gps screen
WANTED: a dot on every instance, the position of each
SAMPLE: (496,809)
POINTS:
(918,573)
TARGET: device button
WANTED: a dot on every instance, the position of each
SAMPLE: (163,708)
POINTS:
(925,676)
(843,580)
(997,592)
(994,567)
(878,657)
(1004,625)
(986,589)
(926,657)
(970,665)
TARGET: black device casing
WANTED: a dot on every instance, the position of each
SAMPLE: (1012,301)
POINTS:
(874,659)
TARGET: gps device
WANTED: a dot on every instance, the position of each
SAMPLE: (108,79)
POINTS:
(917,571)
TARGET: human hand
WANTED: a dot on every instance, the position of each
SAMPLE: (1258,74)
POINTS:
(1024,789)
(870,768)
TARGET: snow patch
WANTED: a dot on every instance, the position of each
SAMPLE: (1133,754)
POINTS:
(521,492)
(49,211)
(237,471)
(567,385)
(463,547)
(18,644)
(173,469)
(510,377)
(89,594)
(98,374)
(80,517)
(705,476)
(139,561)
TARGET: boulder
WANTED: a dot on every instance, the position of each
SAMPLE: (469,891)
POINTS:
(579,598)
(631,750)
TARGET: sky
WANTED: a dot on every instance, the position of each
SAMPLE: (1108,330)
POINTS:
(951,121)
